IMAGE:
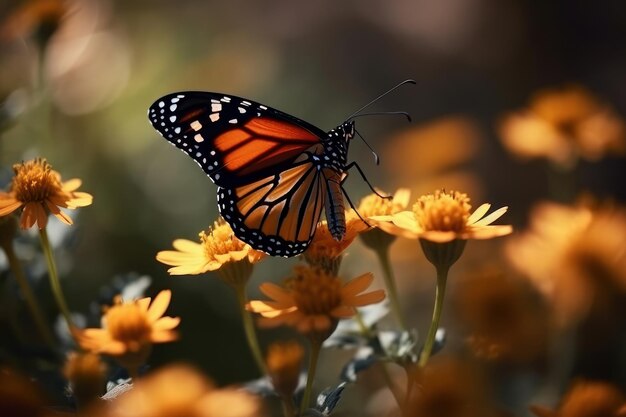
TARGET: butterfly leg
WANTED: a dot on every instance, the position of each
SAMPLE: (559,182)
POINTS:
(355,165)
(345,193)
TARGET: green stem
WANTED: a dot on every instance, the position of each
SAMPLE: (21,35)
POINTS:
(313,357)
(442,276)
(288,408)
(57,291)
(248,326)
(390,282)
(29,297)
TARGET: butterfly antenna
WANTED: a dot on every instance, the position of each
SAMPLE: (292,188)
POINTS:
(381,96)
(376,157)
(386,113)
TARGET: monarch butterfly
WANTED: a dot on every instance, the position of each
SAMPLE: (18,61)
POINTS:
(275,173)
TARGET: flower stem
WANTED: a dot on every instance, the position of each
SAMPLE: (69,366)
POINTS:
(248,326)
(54,279)
(390,282)
(288,409)
(310,376)
(442,276)
(29,297)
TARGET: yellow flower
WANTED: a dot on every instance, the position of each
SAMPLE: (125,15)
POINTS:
(38,188)
(574,255)
(178,390)
(562,125)
(313,301)
(284,363)
(87,376)
(324,251)
(217,248)
(443,217)
(130,328)
(588,399)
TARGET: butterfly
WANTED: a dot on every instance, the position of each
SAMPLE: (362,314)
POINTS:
(275,173)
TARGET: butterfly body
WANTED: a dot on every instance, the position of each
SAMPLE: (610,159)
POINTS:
(275,173)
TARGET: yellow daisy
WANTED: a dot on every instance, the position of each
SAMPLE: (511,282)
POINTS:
(38,189)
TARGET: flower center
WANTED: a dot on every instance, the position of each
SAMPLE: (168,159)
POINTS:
(315,291)
(220,240)
(34,181)
(373,205)
(129,324)
(443,211)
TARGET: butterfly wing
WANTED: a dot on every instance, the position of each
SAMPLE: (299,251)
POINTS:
(277,214)
(234,140)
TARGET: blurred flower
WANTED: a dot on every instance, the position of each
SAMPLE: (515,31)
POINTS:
(374,205)
(325,251)
(39,17)
(220,250)
(313,301)
(86,374)
(130,328)
(574,255)
(502,320)
(19,396)
(563,125)
(448,387)
(38,188)
(588,399)
(442,217)
(178,390)
(284,364)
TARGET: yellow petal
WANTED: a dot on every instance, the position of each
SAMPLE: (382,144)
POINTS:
(8,206)
(402,197)
(72,185)
(185,245)
(144,303)
(166,323)
(406,220)
(488,232)
(163,336)
(440,236)
(358,285)
(365,299)
(159,305)
(478,213)
(492,217)
(276,293)
(343,312)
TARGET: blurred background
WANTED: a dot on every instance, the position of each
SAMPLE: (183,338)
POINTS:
(77,77)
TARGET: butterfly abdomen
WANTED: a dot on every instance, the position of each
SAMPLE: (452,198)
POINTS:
(335,213)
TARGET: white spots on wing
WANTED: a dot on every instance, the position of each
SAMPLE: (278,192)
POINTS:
(225,99)
(175,100)
(177,130)
(161,104)
(180,95)
(233,121)
(215,163)
(217,176)
(173,107)
(241,110)
(216,107)
(258,114)
(262,107)
(212,153)
(245,103)
(172,119)
(214,117)
(196,125)
(198,138)
(210,168)
(198,154)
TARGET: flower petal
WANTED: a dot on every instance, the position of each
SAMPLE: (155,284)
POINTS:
(185,245)
(276,293)
(8,206)
(159,305)
(163,336)
(402,197)
(343,312)
(478,213)
(144,303)
(357,285)
(72,185)
(492,217)
(166,323)
(488,232)
(365,299)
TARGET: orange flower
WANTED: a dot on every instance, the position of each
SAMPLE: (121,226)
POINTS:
(324,251)
(588,399)
(178,390)
(313,301)
(217,248)
(373,205)
(129,329)
(284,363)
(87,376)
(38,188)
(562,125)
(574,256)
(443,217)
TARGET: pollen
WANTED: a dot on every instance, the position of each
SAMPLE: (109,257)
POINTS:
(129,324)
(315,291)
(443,211)
(220,240)
(35,181)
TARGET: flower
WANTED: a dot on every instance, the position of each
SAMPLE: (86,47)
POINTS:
(179,390)
(574,256)
(588,399)
(284,363)
(313,301)
(373,205)
(324,251)
(501,316)
(219,250)
(129,329)
(443,217)
(38,188)
(87,376)
(562,125)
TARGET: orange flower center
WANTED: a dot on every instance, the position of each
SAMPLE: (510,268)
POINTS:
(443,211)
(315,291)
(220,240)
(35,181)
(373,205)
(129,324)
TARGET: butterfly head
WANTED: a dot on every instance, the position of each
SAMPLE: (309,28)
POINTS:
(346,130)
